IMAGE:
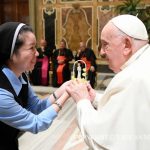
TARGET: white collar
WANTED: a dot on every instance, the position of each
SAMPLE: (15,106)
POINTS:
(135,56)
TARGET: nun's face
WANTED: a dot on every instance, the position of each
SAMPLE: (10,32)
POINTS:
(25,59)
(112,47)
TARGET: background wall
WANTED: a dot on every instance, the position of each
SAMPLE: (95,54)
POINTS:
(14,10)
(73,21)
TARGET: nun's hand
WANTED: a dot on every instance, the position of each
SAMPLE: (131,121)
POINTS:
(78,90)
(62,89)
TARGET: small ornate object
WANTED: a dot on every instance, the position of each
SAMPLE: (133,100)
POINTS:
(81,72)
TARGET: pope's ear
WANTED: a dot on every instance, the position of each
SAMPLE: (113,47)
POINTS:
(128,46)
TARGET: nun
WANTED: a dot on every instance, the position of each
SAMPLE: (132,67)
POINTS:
(121,119)
(20,108)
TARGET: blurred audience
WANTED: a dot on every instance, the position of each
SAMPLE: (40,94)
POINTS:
(40,73)
(87,55)
(60,60)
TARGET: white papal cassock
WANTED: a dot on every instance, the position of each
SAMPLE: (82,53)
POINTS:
(122,119)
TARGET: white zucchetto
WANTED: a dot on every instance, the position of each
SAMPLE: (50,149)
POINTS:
(131,25)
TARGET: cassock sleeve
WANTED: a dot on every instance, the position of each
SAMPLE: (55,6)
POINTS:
(69,55)
(93,59)
(97,100)
(54,57)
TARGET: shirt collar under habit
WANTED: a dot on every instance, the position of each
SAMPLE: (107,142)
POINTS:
(14,80)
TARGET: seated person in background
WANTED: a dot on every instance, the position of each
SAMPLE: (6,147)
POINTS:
(42,49)
(40,73)
(60,61)
(88,56)
(20,108)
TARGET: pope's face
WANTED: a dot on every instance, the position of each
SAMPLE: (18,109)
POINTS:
(25,58)
(112,47)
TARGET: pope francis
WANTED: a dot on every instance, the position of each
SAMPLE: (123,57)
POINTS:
(121,118)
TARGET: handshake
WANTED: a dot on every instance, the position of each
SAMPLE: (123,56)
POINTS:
(78,89)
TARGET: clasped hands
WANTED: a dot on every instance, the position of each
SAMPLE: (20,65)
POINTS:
(79,90)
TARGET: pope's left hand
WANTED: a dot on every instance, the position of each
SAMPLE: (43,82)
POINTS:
(78,90)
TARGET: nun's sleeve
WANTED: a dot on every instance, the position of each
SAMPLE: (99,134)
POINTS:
(18,117)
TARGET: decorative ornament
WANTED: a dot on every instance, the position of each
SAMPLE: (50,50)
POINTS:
(81,72)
